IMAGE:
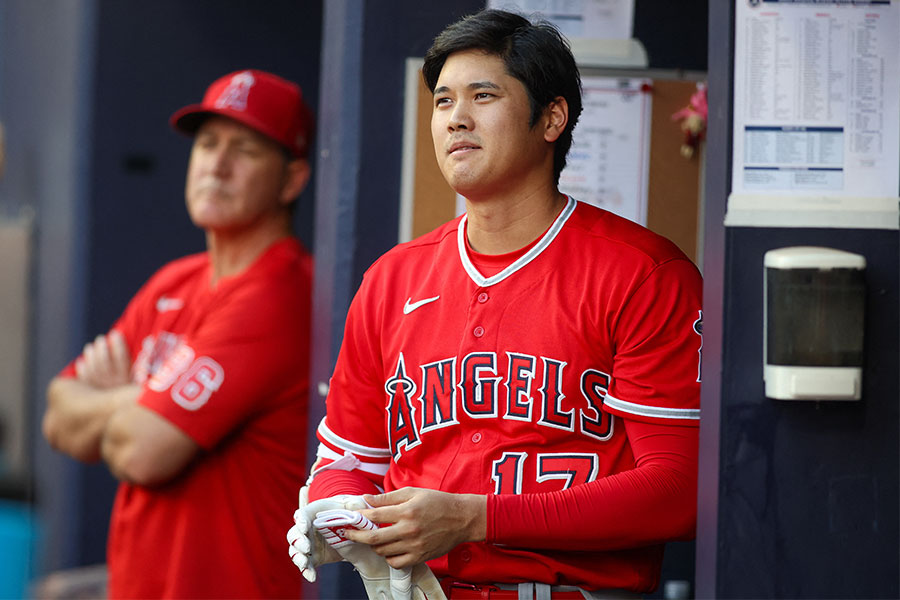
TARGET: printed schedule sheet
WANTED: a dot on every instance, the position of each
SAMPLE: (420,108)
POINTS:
(816,90)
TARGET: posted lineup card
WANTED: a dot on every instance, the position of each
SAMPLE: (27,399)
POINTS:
(609,162)
(816,91)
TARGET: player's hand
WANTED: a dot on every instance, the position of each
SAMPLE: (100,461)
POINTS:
(382,581)
(306,546)
(424,524)
(105,362)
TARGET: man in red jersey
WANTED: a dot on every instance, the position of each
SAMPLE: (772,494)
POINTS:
(517,393)
(196,397)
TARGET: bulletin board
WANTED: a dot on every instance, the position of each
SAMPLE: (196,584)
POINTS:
(674,207)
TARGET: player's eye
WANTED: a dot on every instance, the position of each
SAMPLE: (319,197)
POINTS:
(483,95)
(205,141)
(442,101)
(248,150)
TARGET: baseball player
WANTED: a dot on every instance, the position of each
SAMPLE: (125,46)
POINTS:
(195,397)
(516,399)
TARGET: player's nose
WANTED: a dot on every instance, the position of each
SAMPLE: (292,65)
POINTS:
(460,118)
(220,161)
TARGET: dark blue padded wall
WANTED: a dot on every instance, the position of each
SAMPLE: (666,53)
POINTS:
(673,33)
(808,491)
(153,58)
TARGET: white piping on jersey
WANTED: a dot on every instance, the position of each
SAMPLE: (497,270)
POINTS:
(347,462)
(523,260)
(354,448)
(341,463)
(651,411)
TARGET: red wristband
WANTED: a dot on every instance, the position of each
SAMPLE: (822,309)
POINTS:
(332,482)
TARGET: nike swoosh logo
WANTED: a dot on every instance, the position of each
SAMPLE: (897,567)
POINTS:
(411,306)
(165,304)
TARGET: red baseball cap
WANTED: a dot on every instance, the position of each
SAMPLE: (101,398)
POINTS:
(262,101)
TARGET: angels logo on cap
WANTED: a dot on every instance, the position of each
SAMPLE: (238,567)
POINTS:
(275,108)
(235,95)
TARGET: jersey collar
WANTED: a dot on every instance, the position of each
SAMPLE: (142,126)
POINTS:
(520,262)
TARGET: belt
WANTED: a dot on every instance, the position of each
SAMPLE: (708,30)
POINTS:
(457,590)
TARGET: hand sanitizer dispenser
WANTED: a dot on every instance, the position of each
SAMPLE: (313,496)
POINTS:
(814,304)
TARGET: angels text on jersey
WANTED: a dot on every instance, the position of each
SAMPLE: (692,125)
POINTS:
(473,386)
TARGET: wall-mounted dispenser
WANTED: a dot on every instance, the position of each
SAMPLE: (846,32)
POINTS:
(814,305)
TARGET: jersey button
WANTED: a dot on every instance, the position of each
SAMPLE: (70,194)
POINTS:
(483,297)
(465,555)
(478,331)
(476,437)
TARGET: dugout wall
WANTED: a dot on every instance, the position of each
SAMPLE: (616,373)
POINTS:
(796,500)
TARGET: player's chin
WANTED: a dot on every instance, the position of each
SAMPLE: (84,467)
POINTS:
(212,218)
(463,183)
(206,224)
(457,173)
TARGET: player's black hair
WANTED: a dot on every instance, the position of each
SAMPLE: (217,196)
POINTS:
(535,53)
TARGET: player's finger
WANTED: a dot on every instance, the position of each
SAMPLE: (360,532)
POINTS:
(298,550)
(302,544)
(370,537)
(400,561)
(386,515)
(120,358)
(89,362)
(309,574)
(301,521)
(293,534)
(302,563)
(101,358)
(401,583)
(80,369)
(425,585)
(296,537)
(389,498)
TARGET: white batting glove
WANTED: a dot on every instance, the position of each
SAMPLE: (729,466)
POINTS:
(382,581)
(306,546)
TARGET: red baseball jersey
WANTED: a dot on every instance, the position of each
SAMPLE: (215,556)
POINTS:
(228,365)
(461,376)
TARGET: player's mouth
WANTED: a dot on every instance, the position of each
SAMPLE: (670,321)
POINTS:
(212,184)
(462,147)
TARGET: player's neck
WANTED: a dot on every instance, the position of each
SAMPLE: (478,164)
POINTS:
(503,225)
(232,252)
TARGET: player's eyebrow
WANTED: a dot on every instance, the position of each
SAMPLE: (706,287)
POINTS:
(475,85)
(480,85)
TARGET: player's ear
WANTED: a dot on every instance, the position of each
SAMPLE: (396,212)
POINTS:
(296,176)
(557,116)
